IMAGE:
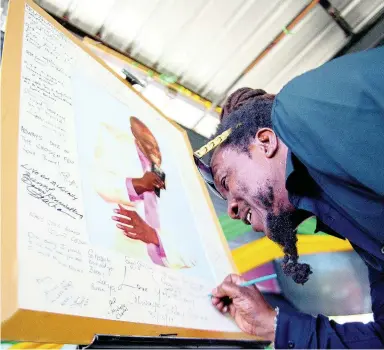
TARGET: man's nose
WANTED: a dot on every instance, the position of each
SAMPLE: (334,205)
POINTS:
(233,210)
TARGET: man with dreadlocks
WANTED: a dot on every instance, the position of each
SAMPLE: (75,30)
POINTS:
(314,149)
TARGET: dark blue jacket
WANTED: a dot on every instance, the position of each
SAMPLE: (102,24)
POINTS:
(332,121)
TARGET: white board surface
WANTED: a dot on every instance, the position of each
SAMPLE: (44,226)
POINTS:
(61,270)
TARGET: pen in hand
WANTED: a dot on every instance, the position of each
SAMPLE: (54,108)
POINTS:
(227,300)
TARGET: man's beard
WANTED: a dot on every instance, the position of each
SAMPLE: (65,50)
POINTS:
(282,230)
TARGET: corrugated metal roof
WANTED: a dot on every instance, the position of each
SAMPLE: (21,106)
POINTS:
(209,44)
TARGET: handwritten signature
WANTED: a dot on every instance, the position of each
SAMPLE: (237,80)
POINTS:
(118,310)
(40,190)
(62,293)
(51,182)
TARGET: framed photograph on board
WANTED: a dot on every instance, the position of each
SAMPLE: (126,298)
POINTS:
(107,227)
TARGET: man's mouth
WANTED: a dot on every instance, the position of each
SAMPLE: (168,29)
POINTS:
(248,217)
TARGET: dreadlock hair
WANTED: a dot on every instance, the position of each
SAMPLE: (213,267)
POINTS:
(239,98)
(282,231)
(291,267)
(245,121)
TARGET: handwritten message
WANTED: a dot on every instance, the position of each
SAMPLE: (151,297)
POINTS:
(161,296)
(61,253)
(42,187)
(62,293)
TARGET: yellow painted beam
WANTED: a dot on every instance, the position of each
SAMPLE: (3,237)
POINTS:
(263,250)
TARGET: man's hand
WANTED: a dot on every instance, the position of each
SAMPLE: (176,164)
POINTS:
(148,183)
(251,312)
(134,226)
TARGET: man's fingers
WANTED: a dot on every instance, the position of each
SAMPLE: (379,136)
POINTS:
(232,310)
(218,303)
(220,306)
(229,289)
(233,278)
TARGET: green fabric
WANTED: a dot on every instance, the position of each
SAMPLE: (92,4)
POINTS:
(308,227)
(232,228)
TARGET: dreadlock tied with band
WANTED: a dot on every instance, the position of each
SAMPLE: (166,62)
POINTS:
(242,96)
(249,171)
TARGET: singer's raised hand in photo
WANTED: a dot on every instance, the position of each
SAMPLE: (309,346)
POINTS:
(134,227)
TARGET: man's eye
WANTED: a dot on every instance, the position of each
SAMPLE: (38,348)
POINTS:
(224,183)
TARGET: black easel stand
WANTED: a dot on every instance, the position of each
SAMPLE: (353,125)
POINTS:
(169,342)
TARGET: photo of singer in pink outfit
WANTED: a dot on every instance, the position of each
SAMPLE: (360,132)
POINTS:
(144,189)
(137,192)
(134,193)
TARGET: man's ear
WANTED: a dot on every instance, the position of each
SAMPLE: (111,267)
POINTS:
(267,141)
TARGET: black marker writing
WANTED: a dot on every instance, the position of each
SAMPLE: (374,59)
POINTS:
(39,190)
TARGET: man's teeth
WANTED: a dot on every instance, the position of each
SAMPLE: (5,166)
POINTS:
(249,216)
